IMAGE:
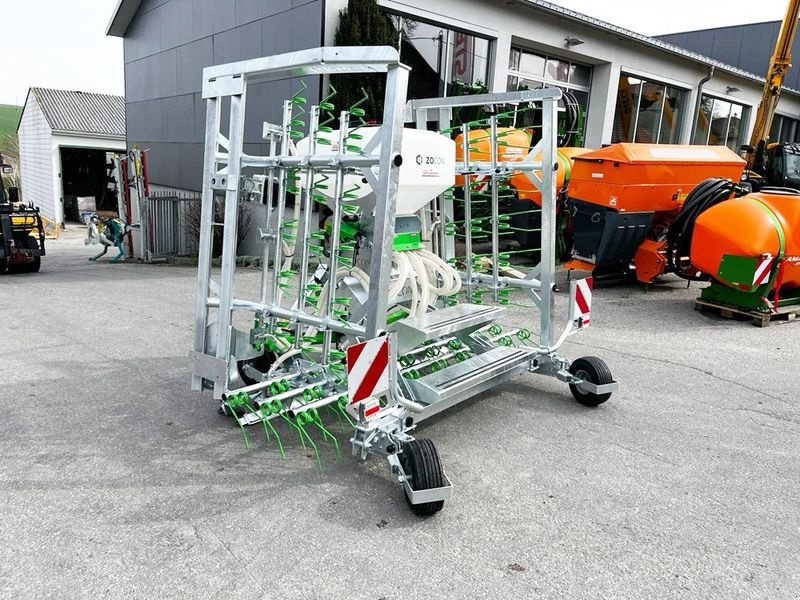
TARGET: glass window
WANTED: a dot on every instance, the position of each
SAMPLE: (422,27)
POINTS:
(580,75)
(672,115)
(734,135)
(784,129)
(557,70)
(441,58)
(647,111)
(532,64)
(719,123)
(703,119)
(530,70)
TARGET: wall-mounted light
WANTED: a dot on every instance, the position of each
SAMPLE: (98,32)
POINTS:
(732,89)
(572,41)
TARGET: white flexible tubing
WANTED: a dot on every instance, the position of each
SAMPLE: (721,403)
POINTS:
(421,306)
(451,281)
(403,269)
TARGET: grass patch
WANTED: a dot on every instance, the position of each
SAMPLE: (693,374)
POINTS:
(9,117)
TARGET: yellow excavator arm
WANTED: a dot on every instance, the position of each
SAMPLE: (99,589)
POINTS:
(779,65)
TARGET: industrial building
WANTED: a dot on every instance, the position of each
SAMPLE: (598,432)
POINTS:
(65,142)
(632,87)
(735,46)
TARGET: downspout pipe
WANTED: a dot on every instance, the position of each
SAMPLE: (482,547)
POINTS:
(696,116)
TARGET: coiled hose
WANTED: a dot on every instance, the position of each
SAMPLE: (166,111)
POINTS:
(679,235)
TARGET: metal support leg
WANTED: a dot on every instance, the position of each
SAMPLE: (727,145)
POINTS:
(548,260)
(380,268)
(236,138)
(205,242)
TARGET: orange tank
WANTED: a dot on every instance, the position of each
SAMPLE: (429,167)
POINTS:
(566,158)
(513,145)
(648,177)
(733,238)
(623,194)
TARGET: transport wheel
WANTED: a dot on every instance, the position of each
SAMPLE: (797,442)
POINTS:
(420,461)
(593,370)
(31,243)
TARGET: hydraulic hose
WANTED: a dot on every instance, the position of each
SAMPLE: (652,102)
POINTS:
(679,235)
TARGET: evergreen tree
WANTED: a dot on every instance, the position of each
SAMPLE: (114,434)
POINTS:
(363,23)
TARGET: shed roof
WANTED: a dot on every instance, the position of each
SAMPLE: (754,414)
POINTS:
(81,112)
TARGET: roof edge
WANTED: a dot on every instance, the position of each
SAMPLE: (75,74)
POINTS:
(92,134)
(645,40)
(22,112)
(121,17)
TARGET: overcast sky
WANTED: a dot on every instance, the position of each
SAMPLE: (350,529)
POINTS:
(62,43)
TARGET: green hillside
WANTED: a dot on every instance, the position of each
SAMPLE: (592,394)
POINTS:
(9,117)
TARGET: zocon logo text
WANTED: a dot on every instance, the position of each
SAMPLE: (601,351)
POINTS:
(429,160)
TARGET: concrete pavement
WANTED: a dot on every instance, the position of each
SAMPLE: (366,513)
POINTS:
(116,481)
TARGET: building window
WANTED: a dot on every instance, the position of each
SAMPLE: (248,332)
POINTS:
(784,129)
(720,123)
(647,111)
(441,59)
(528,70)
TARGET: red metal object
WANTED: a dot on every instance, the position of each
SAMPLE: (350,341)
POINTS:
(778,283)
(126,187)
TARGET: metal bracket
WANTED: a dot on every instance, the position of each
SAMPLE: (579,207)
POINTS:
(209,367)
(593,388)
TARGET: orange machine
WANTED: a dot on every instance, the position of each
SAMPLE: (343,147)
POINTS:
(623,197)
(513,146)
(566,158)
(756,270)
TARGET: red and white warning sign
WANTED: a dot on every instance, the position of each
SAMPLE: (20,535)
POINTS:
(368,372)
(763,270)
(582,302)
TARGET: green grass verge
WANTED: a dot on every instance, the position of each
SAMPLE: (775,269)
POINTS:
(9,117)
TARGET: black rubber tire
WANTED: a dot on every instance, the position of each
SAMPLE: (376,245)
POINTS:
(421,462)
(595,371)
(31,243)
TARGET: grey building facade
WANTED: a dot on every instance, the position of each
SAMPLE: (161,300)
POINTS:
(167,43)
(749,47)
(632,88)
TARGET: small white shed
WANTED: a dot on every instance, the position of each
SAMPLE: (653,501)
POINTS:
(66,141)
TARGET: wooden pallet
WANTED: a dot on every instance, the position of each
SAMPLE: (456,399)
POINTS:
(759,319)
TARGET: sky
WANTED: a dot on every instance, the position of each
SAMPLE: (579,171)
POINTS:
(59,44)
(62,43)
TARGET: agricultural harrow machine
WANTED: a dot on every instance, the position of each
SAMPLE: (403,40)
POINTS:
(391,311)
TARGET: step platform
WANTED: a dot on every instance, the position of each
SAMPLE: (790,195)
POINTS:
(443,389)
(460,319)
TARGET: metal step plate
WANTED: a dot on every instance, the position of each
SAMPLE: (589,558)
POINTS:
(463,318)
(458,382)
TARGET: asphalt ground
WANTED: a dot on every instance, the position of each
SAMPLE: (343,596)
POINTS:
(117,481)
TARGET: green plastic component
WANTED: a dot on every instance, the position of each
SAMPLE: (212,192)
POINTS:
(738,270)
(407,241)
(722,294)
(396,316)
(407,360)
(239,401)
(264,412)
